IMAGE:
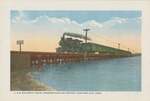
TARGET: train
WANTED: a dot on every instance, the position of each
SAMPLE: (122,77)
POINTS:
(71,45)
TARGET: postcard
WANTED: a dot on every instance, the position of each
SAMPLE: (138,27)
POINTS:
(92,50)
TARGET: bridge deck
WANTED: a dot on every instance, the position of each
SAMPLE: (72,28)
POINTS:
(37,59)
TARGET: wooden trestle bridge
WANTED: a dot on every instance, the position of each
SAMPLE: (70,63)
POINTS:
(37,59)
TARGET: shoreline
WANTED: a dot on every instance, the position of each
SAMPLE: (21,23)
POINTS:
(39,83)
(22,80)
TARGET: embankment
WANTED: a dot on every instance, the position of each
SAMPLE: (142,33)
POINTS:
(21,80)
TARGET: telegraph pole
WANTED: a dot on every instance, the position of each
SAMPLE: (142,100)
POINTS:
(118,45)
(86,30)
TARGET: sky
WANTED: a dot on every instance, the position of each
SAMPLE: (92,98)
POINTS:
(42,30)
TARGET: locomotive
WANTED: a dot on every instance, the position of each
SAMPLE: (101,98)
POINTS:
(70,45)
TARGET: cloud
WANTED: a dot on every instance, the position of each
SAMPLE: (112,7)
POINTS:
(123,25)
(19,18)
(53,26)
(59,21)
(114,21)
(45,24)
(117,21)
(92,23)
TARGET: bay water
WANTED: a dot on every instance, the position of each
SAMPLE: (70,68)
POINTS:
(119,74)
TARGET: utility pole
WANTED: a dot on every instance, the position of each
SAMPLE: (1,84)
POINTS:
(118,45)
(20,42)
(86,30)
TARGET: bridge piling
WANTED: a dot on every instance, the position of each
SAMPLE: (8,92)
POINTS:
(37,59)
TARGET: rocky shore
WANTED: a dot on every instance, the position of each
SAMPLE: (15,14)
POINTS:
(22,80)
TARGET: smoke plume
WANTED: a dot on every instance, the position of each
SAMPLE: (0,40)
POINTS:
(76,35)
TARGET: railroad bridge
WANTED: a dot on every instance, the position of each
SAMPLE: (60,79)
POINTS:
(37,59)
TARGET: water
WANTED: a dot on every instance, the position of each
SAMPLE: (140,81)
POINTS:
(123,74)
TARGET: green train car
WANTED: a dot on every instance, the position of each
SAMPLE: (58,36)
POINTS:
(93,48)
(70,45)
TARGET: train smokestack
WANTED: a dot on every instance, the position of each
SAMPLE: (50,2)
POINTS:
(63,36)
